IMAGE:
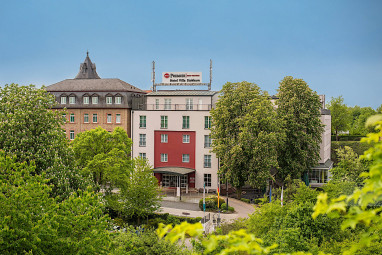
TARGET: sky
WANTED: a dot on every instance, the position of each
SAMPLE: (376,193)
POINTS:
(335,46)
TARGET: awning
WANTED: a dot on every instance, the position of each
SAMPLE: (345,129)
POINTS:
(324,166)
(173,170)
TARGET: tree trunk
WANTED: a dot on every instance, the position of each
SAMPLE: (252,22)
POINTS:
(238,192)
(336,135)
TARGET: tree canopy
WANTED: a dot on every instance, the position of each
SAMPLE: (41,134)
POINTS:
(30,130)
(298,111)
(245,134)
(340,115)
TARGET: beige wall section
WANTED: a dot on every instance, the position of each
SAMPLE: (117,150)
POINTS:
(79,125)
(326,138)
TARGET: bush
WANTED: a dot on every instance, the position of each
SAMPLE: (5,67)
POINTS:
(348,137)
(211,203)
(357,147)
(245,200)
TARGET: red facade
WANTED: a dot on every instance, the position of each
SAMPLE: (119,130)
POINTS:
(174,148)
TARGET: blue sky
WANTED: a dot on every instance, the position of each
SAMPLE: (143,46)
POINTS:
(335,46)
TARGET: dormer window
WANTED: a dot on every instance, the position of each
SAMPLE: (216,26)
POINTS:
(86,100)
(72,100)
(63,99)
(94,99)
(118,100)
(109,100)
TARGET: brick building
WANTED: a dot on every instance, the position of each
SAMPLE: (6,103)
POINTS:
(91,101)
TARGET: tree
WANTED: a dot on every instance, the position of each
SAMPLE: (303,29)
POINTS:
(30,130)
(340,115)
(360,115)
(31,221)
(299,114)
(363,206)
(245,134)
(105,156)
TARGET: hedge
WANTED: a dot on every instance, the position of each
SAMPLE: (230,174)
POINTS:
(347,138)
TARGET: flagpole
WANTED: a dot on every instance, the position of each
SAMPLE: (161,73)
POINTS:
(282,195)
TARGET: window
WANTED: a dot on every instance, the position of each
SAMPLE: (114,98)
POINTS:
(189,104)
(163,121)
(118,100)
(186,122)
(142,140)
(108,119)
(163,157)
(167,104)
(118,118)
(163,138)
(207,122)
(71,134)
(63,100)
(72,100)
(86,100)
(72,118)
(95,118)
(94,99)
(207,161)
(156,104)
(109,100)
(186,158)
(86,118)
(207,141)
(142,155)
(142,121)
(186,138)
(207,180)
(64,117)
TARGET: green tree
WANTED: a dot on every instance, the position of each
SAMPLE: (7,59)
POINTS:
(349,167)
(299,114)
(32,221)
(140,196)
(30,130)
(245,134)
(359,116)
(340,115)
(105,156)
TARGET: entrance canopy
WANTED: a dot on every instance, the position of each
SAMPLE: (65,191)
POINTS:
(174,170)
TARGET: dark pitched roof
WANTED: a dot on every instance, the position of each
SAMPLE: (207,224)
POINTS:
(87,69)
(87,85)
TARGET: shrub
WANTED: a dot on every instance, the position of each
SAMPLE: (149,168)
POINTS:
(245,200)
(211,203)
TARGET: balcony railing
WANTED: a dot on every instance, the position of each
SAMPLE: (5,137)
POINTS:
(179,107)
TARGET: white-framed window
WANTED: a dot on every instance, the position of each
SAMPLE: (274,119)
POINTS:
(207,161)
(185,158)
(163,138)
(71,118)
(163,157)
(167,104)
(207,180)
(94,99)
(207,141)
(63,100)
(186,138)
(118,100)
(64,117)
(86,118)
(142,121)
(108,118)
(189,104)
(118,118)
(109,100)
(142,155)
(85,100)
(142,140)
(163,121)
(71,134)
(72,100)
(186,122)
(95,118)
(207,122)
(156,104)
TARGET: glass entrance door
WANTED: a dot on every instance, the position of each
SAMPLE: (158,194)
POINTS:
(171,180)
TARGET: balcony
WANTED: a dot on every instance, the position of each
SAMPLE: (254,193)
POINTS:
(178,107)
